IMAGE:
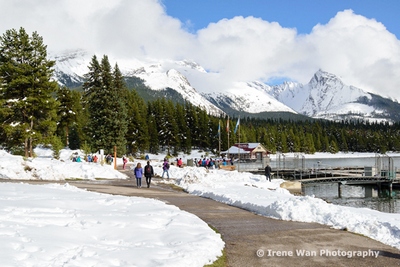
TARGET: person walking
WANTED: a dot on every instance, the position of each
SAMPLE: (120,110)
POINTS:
(268,172)
(124,161)
(165,168)
(138,171)
(148,173)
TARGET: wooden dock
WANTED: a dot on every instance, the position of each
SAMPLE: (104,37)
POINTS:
(380,183)
(349,180)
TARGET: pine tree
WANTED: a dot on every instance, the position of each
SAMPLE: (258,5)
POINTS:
(106,105)
(184,132)
(192,123)
(204,133)
(152,130)
(28,109)
(139,123)
(171,126)
(119,124)
(67,112)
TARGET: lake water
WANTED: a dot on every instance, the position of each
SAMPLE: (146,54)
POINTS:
(353,196)
(334,162)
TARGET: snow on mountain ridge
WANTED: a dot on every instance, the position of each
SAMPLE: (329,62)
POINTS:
(171,78)
(249,97)
(157,75)
(325,96)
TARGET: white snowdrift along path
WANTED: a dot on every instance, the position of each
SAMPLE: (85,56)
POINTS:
(54,225)
(35,214)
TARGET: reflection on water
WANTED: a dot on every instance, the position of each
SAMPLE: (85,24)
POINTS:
(381,204)
(353,196)
(326,163)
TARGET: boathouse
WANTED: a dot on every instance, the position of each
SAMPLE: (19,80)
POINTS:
(246,151)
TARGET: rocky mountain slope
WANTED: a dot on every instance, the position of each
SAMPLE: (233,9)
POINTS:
(325,96)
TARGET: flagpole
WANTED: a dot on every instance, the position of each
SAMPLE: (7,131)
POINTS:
(219,138)
(227,129)
(239,143)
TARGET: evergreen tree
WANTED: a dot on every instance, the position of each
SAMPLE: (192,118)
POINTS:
(119,123)
(204,130)
(67,112)
(77,134)
(171,133)
(139,124)
(152,130)
(28,110)
(192,122)
(107,107)
(184,132)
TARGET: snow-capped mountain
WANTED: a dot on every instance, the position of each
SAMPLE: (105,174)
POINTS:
(250,97)
(325,96)
(71,67)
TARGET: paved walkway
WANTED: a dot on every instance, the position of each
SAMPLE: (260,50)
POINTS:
(246,234)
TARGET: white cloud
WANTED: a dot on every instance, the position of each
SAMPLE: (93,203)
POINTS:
(358,49)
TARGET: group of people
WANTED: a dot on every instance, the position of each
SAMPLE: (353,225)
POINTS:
(206,163)
(148,172)
(212,163)
(88,158)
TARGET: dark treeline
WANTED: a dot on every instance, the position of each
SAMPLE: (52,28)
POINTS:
(108,112)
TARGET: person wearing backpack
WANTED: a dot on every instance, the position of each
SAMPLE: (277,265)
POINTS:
(148,173)
(165,168)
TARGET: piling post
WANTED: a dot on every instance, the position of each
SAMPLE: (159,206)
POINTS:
(379,189)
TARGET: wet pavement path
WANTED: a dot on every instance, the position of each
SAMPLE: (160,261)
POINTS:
(253,240)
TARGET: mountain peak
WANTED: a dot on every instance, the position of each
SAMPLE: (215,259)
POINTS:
(325,96)
(323,78)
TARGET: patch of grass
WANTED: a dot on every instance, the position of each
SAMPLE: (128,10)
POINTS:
(172,186)
(74,179)
(221,261)
(177,188)
(27,168)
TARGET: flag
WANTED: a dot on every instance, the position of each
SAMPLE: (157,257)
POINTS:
(227,125)
(237,125)
(219,128)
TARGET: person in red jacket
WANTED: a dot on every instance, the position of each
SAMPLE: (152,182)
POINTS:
(180,163)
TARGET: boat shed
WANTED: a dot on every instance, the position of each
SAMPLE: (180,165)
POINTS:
(246,151)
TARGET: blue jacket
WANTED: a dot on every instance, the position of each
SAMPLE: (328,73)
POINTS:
(138,172)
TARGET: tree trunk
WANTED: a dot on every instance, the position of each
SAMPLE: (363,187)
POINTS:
(30,140)
(26,147)
(30,147)
(66,136)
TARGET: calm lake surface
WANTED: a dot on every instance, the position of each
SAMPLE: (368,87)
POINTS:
(334,162)
(353,196)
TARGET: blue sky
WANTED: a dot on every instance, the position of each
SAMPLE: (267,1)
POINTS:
(300,14)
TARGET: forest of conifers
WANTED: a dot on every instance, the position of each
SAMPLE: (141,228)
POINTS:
(105,114)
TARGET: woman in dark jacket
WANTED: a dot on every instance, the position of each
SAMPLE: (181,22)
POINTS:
(148,173)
